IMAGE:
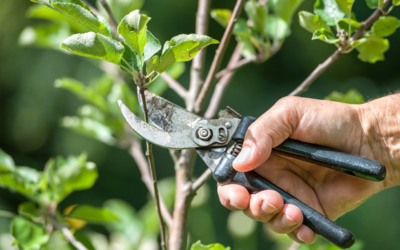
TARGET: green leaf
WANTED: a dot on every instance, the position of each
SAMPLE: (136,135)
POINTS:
(329,11)
(24,180)
(6,162)
(396,2)
(79,89)
(345,5)
(374,4)
(70,174)
(159,86)
(153,46)
(27,234)
(312,22)
(133,59)
(257,14)
(133,28)
(92,214)
(216,246)
(371,48)
(352,97)
(151,64)
(95,46)
(344,24)
(246,47)
(285,8)
(90,127)
(241,28)
(325,35)
(182,48)
(222,16)
(384,26)
(43,12)
(29,209)
(276,27)
(81,13)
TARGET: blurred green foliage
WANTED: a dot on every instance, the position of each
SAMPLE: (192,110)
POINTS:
(32,109)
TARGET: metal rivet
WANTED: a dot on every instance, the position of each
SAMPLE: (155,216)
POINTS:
(221,137)
(228,125)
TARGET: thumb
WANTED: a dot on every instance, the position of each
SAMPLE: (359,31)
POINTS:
(268,131)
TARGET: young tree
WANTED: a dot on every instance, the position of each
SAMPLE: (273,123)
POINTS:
(135,50)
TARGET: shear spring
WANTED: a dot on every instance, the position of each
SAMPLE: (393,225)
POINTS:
(237,147)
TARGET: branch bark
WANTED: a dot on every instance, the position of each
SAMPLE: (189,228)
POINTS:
(223,82)
(218,56)
(339,52)
(137,154)
(196,71)
(149,154)
(71,238)
(173,84)
(237,66)
(201,180)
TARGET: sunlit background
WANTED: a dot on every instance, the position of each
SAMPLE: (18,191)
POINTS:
(32,111)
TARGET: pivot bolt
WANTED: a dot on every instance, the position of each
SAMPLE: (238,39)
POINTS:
(228,125)
(204,134)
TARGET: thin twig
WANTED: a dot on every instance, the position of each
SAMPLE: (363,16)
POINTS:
(68,235)
(92,8)
(294,246)
(201,180)
(223,82)
(237,66)
(339,52)
(137,154)
(218,56)
(150,157)
(7,214)
(196,71)
(173,84)
(113,21)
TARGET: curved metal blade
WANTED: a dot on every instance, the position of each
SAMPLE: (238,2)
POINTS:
(211,156)
(166,115)
(173,139)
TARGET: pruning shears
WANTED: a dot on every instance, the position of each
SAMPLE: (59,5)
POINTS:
(177,128)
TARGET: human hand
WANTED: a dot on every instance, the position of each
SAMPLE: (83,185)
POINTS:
(369,130)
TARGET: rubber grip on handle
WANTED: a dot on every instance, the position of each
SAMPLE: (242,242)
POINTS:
(320,224)
(224,173)
(334,159)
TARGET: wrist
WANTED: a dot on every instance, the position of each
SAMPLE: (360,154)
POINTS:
(380,123)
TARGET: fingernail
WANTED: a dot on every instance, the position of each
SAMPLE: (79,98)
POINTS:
(235,206)
(244,156)
(299,238)
(287,221)
(268,208)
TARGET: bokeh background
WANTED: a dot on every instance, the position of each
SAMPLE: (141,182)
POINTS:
(31,109)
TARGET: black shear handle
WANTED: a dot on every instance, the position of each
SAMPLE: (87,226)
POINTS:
(339,236)
(334,159)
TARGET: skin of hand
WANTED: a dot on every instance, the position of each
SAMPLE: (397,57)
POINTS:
(370,130)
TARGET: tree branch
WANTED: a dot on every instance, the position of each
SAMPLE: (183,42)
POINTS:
(339,52)
(176,86)
(137,154)
(149,154)
(70,237)
(196,71)
(223,82)
(201,180)
(113,21)
(218,56)
(237,66)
